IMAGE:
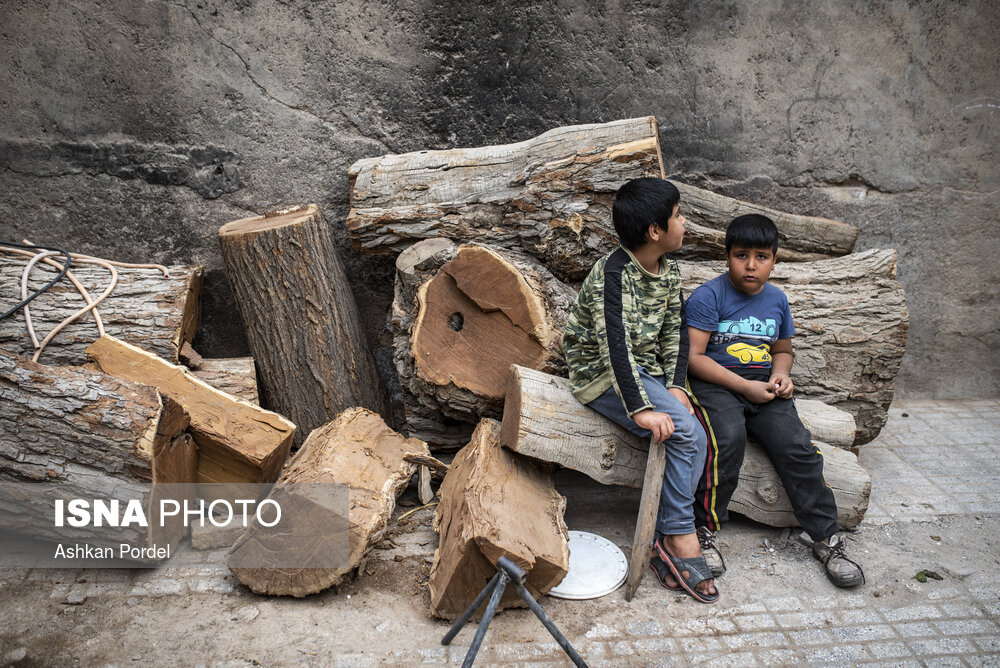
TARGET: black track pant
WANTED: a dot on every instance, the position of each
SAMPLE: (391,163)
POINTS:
(729,418)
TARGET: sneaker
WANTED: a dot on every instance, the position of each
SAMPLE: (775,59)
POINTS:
(710,549)
(842,571)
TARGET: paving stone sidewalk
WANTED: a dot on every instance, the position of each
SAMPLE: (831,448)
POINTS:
(934,506)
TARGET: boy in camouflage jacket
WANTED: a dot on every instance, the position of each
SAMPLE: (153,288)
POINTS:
(623,344)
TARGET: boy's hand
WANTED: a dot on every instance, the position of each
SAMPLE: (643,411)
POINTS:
(659,423)
(682,397)
(759,392)
(782,385)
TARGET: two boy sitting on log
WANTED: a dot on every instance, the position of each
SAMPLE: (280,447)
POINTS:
(631,342)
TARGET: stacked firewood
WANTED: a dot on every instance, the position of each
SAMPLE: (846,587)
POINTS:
(492,244)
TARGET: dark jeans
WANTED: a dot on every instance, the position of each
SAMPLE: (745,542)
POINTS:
(776,426)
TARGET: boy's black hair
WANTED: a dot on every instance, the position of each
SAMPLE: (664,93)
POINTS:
(638,204)
(752,231)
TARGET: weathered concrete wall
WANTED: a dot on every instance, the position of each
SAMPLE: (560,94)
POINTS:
(134,130)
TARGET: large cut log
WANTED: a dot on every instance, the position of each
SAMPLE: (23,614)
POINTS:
(802,238)
(237,441)
(357,450)
(550,195)
(850,330)
(300,317)
(94,437)
(146,309)
(481,311)
(543,420)
(233,375)
(493,504)
(414,266)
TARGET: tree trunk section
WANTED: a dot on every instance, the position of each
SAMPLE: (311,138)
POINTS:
(761,496)
(801,238)
(146,309)
(95,437)
(300,317)
(233,375)
(237,441)
(850,330)
(543,420)
(550,195)
(485,499)
(358,450)
(483,310)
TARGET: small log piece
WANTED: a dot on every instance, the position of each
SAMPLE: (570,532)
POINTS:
(233,375)
(157,313)
(550,195)
(98,437)
(850,330)
(237,441)
(494,503)
(483,310)
(300,317)
(355,449)
(543,420)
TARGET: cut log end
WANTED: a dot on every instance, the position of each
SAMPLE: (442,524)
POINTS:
(269,221)
(477,316)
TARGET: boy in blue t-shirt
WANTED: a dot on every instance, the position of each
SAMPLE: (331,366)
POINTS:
(740,330)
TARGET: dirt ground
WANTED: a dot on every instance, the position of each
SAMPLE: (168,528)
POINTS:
(381,615)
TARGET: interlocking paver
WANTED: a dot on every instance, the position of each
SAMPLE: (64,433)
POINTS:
(941,646)
(836,654)
(857,633)
(889,650)
(811,637)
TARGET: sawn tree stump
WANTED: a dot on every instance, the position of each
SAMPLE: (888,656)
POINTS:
(493,504)
(357,449)
(300,317)
(458,329)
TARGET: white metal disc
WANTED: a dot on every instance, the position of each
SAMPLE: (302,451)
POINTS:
(597,567)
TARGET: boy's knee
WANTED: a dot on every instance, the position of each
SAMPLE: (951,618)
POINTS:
(688,430)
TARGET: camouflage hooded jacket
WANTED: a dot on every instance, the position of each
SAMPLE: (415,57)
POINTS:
(625,318)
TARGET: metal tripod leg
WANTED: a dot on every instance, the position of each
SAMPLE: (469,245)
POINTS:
(507,571)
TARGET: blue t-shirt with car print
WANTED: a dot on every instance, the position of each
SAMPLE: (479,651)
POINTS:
(743,326)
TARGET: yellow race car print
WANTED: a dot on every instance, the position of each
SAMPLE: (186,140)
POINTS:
(746,353)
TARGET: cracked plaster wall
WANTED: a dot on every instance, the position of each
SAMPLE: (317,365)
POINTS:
(134,130)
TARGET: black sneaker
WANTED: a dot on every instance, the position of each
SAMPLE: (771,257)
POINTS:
(711,551)
(842,571)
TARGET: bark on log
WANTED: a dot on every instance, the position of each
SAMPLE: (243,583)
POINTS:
(146,309)
(237,441)
(550,195)
(543,420)
(97,437)
(356,449)
(761,497)
(300,317)
(483,310)
(233,375)
(802,238)
(851,323)
(486,498)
